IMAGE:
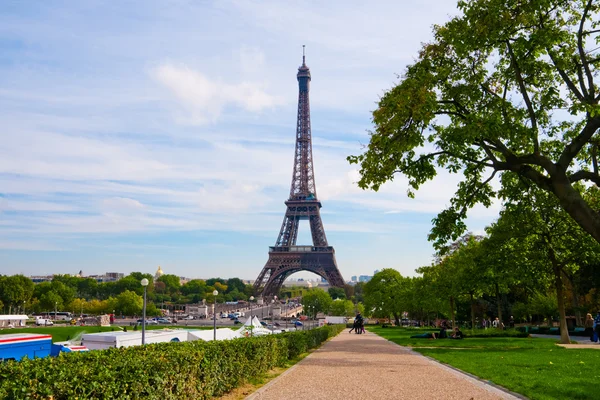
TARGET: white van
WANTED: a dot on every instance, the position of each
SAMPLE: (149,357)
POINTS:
(43,321)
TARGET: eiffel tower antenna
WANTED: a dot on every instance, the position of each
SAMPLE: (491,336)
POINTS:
(286,257)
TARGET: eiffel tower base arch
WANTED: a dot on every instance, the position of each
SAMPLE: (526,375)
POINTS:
(282,264)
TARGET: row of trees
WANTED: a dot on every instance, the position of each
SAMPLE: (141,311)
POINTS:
(79,294)
(533,262)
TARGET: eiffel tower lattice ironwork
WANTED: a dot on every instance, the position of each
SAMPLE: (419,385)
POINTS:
(286,258)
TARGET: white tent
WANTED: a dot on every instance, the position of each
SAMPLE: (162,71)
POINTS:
(12,320)
(208,335)
(253,327)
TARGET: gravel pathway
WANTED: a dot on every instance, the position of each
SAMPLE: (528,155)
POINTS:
(369,367)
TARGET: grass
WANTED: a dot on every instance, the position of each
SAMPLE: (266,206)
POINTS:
(533,367)
(64,333)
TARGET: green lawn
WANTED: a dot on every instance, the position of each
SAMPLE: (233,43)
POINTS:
(63,333)
(533,367)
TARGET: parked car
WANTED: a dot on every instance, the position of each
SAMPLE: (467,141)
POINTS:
(263,323)
(148,321)
(189,318)
(298,323)
(163,321)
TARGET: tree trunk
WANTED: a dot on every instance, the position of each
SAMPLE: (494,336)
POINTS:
(575,302)
(574,204)
(499,304)
(564,332)
(472,311)
(397,319)
(452,310)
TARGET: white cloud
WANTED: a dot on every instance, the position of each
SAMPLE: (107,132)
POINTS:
(205,98)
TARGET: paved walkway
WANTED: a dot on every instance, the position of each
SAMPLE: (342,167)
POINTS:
(369,367)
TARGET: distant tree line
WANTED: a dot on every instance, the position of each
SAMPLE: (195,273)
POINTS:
(19,294)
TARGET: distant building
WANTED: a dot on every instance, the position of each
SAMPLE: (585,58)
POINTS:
(159,273)
(364,278)
(41,278)
(375,272)
(354,278)
(107,277)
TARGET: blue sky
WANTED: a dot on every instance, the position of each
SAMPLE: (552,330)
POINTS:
(146,133)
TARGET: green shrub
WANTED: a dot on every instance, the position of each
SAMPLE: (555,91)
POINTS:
(196,369)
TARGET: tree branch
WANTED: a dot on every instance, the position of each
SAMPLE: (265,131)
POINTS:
(582,175)
(523,89)
(476,191)
(595,157)
(565,77)
(584,60)
(573,148)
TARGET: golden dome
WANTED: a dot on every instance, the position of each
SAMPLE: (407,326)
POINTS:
(159,273)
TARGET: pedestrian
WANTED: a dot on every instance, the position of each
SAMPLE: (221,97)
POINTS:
(511,322)
(597,327)
(589,326)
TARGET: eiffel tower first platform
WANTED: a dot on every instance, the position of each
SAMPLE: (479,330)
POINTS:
(286,257)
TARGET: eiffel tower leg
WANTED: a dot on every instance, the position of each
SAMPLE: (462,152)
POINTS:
(317,231)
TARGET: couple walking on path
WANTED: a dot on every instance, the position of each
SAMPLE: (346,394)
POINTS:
(359,324)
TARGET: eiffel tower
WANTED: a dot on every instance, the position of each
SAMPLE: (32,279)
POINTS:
(286,258)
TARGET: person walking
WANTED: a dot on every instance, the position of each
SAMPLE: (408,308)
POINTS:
(589,326)
(359,322)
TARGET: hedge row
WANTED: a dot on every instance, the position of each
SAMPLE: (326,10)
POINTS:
(196,369)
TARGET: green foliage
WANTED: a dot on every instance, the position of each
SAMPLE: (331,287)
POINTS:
(386,294)
(498,74)
(337,293)
(157,371)
(171,282)
(15,289)
(129,303)
(342,308)
(315,301)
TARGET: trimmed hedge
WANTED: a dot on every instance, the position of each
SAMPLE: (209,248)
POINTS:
(196,369)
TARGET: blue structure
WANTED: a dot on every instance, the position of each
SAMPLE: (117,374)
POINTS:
(18,345)
(65,347)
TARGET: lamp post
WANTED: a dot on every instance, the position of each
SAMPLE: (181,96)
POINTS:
(262,310)
(251,323)
(273,313)
(24,307)
(272,319)
(144,283)
(215,293)
(55,311)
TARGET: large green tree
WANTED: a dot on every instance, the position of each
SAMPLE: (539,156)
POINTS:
(315,301)
(15,291)
(509,86)
(387,293)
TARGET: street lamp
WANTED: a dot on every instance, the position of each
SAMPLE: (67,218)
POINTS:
(55,311)
(272,318)
(215,293)
(144,283)
(251,300)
